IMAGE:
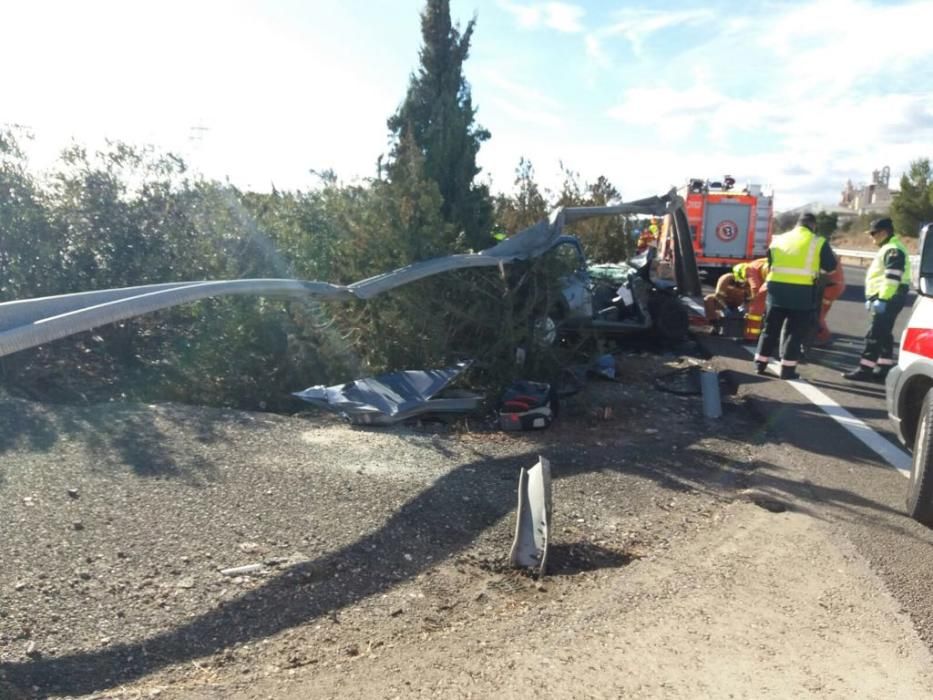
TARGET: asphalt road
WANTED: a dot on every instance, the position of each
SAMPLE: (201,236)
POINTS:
(848,320)
(813,462)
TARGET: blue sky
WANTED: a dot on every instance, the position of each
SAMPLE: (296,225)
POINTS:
(797,95)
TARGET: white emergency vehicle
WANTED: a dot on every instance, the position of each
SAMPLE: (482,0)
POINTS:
(908,388)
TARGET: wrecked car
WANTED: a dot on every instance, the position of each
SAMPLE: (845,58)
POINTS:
(614,299)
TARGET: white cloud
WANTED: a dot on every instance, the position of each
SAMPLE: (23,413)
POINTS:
(637,25)
(838,87)
(528,115)
(810,152)
(838,45)
(803,94)
(679,115)
(521,101)
(595,51)
(562,17)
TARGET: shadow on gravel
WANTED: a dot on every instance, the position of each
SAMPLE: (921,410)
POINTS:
(432,526)
(118,435)
(570,559)
(24,423)
(300,593)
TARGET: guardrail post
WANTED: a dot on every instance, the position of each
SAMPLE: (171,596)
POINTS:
(709,386)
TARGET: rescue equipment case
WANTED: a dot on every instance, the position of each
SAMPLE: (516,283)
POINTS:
(527,406)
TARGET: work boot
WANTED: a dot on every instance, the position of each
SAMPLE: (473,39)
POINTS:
(789,373)
(860,374)
(761,367)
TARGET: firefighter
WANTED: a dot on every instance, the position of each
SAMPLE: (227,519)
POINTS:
(833,284)
(795,259)
(730,295)
(741,290)
(887,282)
(756,274)
(648,237)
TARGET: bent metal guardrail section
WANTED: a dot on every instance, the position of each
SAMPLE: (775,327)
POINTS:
(27,323)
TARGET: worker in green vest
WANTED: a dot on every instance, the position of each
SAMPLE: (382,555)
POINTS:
(886,285)
(795,259)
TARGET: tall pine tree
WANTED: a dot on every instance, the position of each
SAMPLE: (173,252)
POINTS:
(438,114)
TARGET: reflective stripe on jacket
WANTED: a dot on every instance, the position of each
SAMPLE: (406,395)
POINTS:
(795,257)
(888,271)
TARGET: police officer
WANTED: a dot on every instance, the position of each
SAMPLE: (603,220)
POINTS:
(886,285)
(795,259)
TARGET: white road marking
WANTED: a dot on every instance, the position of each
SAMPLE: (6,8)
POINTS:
(894,456)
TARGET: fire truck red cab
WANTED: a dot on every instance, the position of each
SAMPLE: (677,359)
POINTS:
(728,225)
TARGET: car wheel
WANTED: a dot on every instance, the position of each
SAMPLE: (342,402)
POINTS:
(920,491)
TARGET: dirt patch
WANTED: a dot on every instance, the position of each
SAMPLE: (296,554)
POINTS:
(731,612)
(378,557)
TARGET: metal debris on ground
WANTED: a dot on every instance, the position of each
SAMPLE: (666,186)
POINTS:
(393,397)
(533,518)
(242,570)
(684,381)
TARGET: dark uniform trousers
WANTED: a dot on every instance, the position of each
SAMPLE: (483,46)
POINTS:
(879,340)
(797,324)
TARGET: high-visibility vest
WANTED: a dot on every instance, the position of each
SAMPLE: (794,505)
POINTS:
(881,283)
(795,257)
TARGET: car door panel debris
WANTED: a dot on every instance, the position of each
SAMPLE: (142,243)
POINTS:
(393,397)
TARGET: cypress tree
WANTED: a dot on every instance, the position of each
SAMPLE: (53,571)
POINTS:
(439,115)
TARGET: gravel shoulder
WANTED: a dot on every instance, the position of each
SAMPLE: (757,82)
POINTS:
(381,559)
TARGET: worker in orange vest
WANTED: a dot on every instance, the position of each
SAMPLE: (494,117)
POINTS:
(741,290)
(756,274)
(833,285)
(648,237)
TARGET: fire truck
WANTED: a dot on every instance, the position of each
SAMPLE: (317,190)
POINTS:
(727,225)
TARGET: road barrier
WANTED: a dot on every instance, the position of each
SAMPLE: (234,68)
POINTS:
(864,258)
